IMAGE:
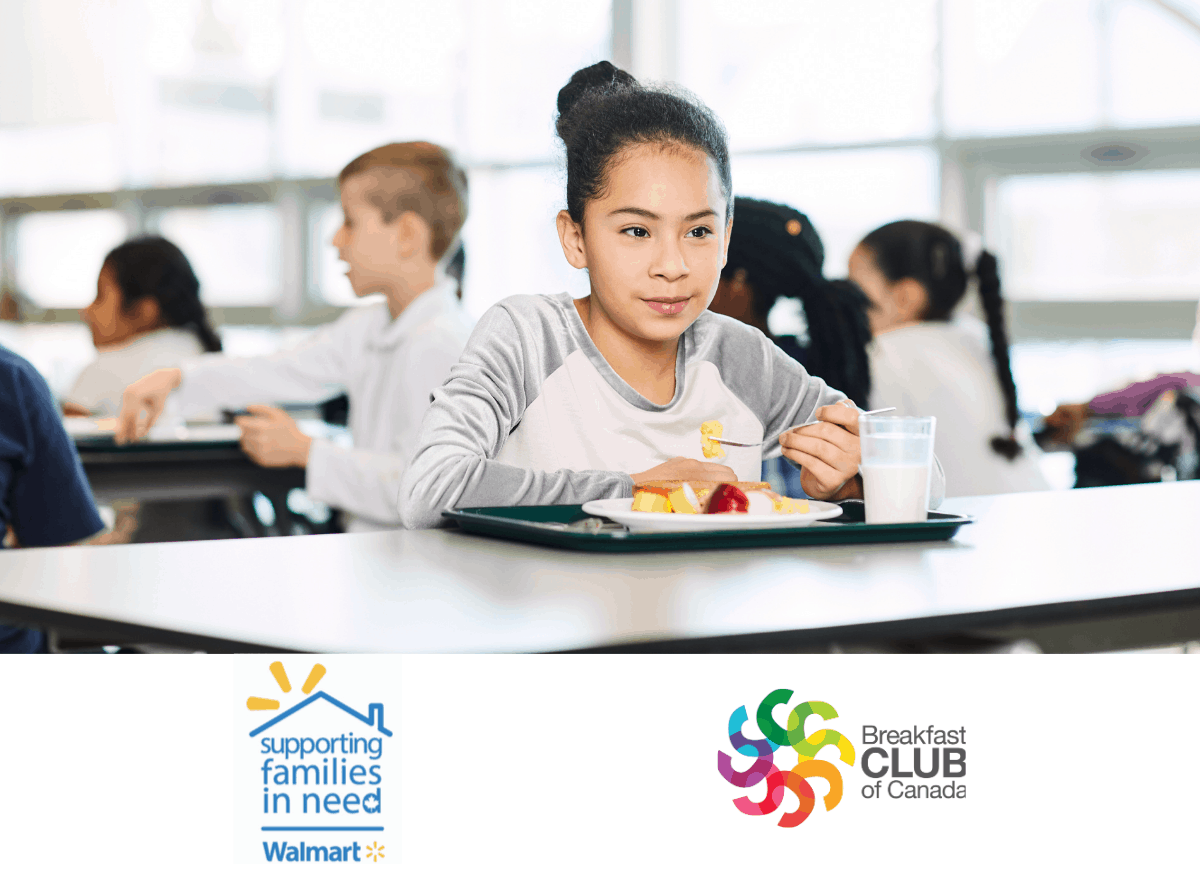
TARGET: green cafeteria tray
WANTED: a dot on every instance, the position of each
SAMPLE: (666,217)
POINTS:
(551,525)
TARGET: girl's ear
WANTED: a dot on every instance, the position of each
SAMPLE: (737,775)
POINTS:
(146,313)
(728,237)
(910,299)
(570,234)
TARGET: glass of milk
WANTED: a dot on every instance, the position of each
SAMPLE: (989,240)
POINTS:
(897,461)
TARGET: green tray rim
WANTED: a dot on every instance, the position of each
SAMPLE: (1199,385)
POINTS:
(942,526)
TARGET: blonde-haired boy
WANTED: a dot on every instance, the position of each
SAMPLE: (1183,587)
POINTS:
(404,206)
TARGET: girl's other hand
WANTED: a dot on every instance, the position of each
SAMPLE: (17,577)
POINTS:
(680,468)
(142,403)
(828,453)
(72,409)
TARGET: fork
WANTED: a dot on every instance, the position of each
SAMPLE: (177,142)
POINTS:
(861,413)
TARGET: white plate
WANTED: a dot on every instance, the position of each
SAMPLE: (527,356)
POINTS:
(620,511)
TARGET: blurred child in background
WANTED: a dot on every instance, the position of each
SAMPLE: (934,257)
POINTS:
(774,252)
(1131,401)
(404,207)
(925,364)
(147,315)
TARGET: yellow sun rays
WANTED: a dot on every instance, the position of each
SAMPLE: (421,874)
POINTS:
(281,677)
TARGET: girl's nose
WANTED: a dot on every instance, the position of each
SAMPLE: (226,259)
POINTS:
(668,261)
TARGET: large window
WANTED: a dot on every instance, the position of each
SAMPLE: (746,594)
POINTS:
(234,250)
(1130,236)
(58,254)
(791,72)
(987,114)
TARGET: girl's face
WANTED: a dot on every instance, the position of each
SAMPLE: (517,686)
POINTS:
(654,242)
(108,321)
(893,304)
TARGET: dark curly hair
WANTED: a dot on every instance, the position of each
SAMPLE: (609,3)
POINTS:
(602,110)
(781,254)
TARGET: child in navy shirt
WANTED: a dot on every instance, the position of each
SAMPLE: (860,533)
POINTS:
(44,496)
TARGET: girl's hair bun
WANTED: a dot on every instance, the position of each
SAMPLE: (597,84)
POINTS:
(603,109)
(601,76)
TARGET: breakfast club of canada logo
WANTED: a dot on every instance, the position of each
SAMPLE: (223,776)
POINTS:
(779,777)
(901,763)
(319,773)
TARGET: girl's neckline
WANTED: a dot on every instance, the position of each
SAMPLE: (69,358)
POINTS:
(614,380)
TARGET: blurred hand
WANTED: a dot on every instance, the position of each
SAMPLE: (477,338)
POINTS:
(142,403)
(828,453)
(680,468)
(1066,421)
(271,438)
(75,410)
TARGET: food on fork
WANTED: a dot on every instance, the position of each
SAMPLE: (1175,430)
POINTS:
(710,448)
(713,497)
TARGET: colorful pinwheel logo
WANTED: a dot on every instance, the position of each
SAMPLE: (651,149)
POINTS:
(807,765)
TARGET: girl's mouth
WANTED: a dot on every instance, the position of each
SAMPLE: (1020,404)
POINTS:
(668,307)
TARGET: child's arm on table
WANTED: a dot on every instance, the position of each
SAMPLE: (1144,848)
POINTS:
(311,371)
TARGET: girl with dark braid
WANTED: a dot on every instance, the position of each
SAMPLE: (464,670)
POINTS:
(927,362)
(775,251)
(147,315)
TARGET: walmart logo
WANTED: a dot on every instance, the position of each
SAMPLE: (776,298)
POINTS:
(323,776)
(779,778)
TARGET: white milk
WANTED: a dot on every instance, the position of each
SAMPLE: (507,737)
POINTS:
(896,494)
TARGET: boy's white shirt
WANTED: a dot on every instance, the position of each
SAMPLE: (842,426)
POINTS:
(100,384)
(388,367)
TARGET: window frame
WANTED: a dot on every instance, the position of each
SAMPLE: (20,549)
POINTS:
(643,41)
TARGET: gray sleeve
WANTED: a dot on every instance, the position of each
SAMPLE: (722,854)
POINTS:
(471,417)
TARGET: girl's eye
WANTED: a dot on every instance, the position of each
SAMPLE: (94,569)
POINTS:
(636,232)
(700,233)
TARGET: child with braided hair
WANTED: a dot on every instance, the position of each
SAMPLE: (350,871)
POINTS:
(774,252)
(927,362)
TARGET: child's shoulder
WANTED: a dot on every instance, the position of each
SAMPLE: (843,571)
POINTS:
(547,312)
(23,391)
(713,332)
(17,373)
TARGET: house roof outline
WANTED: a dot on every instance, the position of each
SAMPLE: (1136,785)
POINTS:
(374,713)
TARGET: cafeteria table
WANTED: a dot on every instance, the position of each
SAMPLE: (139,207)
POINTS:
(1073,570)
(178,471)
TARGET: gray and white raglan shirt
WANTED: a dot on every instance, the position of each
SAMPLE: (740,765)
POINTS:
(532,414)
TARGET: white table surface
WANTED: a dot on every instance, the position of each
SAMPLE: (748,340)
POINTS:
(1123,549)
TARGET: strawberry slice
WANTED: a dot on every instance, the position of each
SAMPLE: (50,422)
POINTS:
(728,499)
